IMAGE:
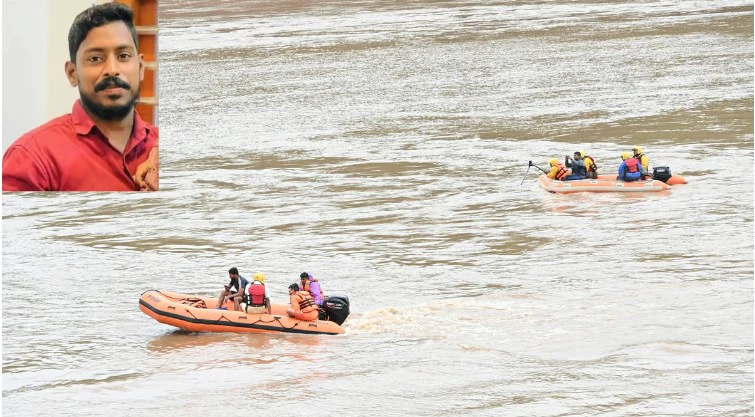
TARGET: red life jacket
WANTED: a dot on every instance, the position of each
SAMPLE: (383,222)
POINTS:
(256,294)
(631,164)
(562,171)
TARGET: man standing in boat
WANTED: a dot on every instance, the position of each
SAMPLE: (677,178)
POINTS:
(238,283)
(103,144)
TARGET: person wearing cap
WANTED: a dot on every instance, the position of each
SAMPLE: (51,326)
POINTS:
(238,283)
(256,299)
(303,306)
(557,171)
(642,158)
(577,165)
(630,168)
(311,285)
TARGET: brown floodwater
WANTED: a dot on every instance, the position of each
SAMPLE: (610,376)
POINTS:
(381,146)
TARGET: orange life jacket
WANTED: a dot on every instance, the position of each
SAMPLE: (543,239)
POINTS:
(306,287)
(562,171)
(305,301)
(256,294)
(631,164)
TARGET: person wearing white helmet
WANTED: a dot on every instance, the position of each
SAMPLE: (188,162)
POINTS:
(256,298)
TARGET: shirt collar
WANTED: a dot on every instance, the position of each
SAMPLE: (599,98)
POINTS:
(82,123)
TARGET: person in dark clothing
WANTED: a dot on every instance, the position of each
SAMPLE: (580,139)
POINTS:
(577,165)
(234,290)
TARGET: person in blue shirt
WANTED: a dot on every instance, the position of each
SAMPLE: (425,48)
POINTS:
(630,168)
(238,283)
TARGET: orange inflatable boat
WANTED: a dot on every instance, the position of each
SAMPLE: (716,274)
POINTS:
(199,314)
(604,184)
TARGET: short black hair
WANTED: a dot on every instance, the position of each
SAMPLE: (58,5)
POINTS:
(96,16)
(294,287)
(234,271)
(304,275)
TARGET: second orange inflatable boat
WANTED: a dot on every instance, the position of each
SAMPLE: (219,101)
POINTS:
(604,184)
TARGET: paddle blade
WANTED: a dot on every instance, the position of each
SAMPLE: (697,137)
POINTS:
(526,172)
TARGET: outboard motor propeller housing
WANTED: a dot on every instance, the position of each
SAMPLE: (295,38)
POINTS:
(661,173)
(336,308)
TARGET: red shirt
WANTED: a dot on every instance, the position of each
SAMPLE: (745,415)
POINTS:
(70,153)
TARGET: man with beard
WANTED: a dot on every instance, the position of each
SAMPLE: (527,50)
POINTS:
(103,144)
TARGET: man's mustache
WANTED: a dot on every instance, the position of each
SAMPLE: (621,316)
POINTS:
(109,82)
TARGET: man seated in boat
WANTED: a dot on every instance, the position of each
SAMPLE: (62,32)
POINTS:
(557,171)
(590,166)
(256,299)
(578,168)
(238,283)
(643,159)
(303,306)
(312,286)
(630,168)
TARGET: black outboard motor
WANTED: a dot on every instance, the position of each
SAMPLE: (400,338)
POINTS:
(336,308)
(661,173)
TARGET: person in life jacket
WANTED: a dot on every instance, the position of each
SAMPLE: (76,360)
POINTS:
(577,165)
(311,285)
(590,165)
(643,159)
(630,168)
(303,306)
(238,283)
(256,298)
(558,171)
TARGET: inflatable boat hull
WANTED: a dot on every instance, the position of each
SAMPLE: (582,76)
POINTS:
(199,314)
(604,184)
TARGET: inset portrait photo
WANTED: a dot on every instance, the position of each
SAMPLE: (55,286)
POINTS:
(80,96)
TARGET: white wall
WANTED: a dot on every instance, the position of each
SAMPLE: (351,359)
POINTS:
(35,50)
(24,66)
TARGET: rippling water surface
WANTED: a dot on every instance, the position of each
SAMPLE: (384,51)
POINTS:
(381,146)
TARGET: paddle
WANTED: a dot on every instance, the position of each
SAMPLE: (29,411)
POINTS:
(527,172)
(544,171)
